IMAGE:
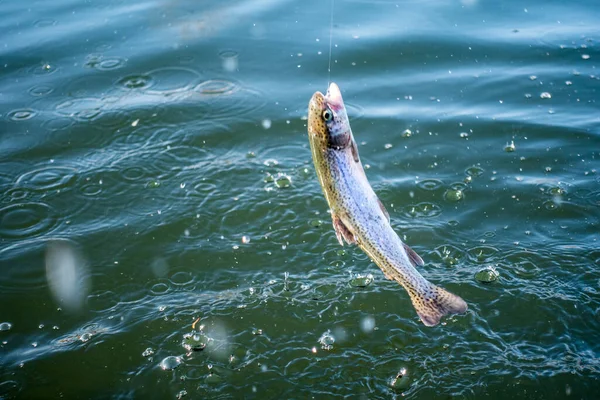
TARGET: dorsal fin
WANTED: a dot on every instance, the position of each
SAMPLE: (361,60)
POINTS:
(414,258)
(385,212)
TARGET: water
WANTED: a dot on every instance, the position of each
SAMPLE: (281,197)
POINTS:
(162,231)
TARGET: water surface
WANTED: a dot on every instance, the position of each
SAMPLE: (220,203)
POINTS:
(153,155)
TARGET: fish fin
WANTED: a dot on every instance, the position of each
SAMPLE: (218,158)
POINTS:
(354,149)
(414,258)
(433,302)
(383,209)
(342,232)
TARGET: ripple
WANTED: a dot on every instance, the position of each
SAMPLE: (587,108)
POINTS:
(57,124)
(40,90)
(47,178)
(26,220)
(44,69)
(216,87)
(83,109)
(135,82)
(422,210)
(21,114)
(182,278)
(228,103)
(430,184)
(172,80)
(102,300)
(107,64)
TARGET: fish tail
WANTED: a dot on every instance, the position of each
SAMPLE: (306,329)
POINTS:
(433,302)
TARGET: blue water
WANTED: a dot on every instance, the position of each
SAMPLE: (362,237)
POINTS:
(157,195)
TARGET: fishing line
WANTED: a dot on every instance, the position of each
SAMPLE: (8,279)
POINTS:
(330,39)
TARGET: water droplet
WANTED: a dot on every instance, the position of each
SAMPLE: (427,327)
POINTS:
(545,95)
(245,239)
(510,147)
(148,352)
(171,362)
(229,59)
(487,275)
(388,146)
(195,341)
(463,134)
(585,56)
(367,324)
(85,337)
(266,123)
(407,133)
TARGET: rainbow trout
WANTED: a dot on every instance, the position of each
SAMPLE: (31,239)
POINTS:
(358,215)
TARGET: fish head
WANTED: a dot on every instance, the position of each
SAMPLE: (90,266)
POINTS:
(328,125)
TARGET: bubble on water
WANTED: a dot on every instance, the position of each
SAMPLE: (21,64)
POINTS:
(283,181)
(488,274)
(316,223)
(327,340)
(545,95)
(361,281)
(510,147)
(5,326)
(229,60)
(454,195)
(367,324)
(463,135)
(585,56)
(533,77)
(67,274)
(568,83)
(407,133)
(266,123)
(170,363)
(388,146)
(401,381)
(271,162)
(245,239)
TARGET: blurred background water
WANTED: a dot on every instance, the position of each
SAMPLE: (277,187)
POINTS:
(163,233)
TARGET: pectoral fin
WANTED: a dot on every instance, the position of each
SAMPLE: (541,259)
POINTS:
(341,231)
(414,258)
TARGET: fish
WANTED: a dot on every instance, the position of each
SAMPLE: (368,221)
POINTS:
(358,216)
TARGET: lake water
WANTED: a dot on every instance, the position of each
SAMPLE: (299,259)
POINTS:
(163,233)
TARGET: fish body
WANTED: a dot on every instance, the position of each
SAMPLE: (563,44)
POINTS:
(358,215)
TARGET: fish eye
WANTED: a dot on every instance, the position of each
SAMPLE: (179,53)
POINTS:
(327,115)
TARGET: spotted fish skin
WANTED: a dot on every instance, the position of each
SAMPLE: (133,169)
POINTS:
(358,215)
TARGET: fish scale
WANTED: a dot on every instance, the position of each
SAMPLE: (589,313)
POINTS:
(358,215)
